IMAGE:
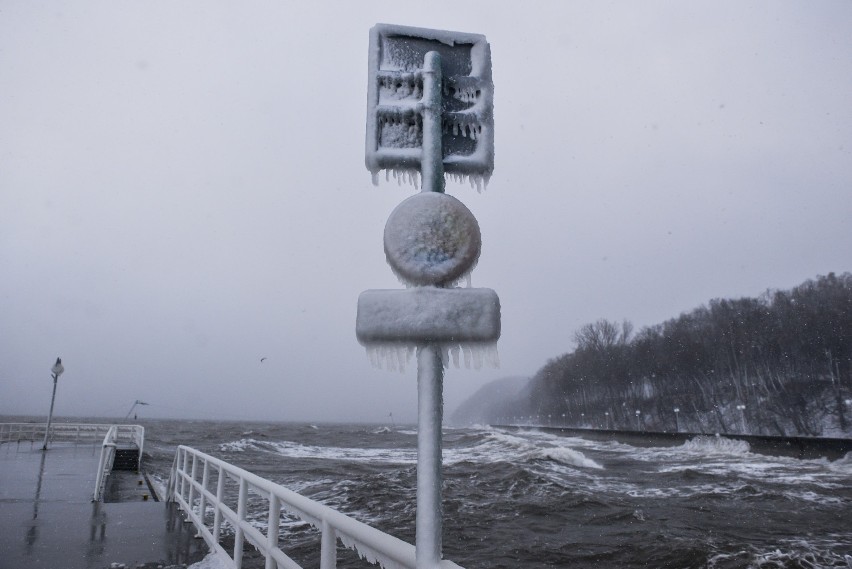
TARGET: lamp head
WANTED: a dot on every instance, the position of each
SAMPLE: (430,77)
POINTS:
(57,368)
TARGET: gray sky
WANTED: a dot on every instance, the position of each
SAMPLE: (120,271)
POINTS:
(183,190)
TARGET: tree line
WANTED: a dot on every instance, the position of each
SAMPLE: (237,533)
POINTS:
(778,364)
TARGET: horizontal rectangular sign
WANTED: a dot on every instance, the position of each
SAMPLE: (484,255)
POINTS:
(428,315)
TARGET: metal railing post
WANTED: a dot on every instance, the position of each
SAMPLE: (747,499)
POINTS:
(202,501)
(328,547)
(184,472)
(191,500)
(217,515)
(272,532)
(239,532)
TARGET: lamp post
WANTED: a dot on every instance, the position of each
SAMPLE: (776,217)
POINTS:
(606,414)
(677,422)
(638,423)
(55,371)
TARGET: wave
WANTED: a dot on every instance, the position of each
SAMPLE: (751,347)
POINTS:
(842,465)
(298,450)
(811,552)
(566,456)
(499,446)
(708,445)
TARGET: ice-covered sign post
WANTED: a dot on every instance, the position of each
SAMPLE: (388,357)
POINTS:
(430,114)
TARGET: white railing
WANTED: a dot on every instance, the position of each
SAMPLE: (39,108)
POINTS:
(131,436)
(194,496)
(112,436)
(60,432)
(105,463)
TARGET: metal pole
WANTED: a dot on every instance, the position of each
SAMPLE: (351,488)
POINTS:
(430,368)
(430,379)
(50,415)
(432,160)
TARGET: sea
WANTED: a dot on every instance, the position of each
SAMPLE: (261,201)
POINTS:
(536,498)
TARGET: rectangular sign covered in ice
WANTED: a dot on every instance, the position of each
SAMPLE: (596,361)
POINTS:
(395,90)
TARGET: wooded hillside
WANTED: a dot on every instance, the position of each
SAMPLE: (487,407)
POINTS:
(780,364)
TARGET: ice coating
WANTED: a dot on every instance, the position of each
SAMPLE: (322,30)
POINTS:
(431,238)
(466,316)
(213,560)
(395,356)
(394,134)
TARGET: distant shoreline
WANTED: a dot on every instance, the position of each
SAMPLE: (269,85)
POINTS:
(807,448)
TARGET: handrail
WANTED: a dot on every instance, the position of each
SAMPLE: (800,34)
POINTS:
(68,432)
(133,435)
(105,463)
(31,432)
(194,497)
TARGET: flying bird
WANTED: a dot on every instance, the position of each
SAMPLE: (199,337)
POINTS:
(261,360)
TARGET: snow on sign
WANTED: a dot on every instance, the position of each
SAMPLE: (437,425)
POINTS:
(430,102)
(395,119)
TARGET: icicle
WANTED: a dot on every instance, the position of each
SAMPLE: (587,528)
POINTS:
(397,357)
(455,351)
(393,357)
(445,355)
(476,352)
(400,359)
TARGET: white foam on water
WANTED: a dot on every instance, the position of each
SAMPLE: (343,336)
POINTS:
(566,456)
(813,552)
(725,459)
(500,446)
(238,446)
(716,445)
(298,450)
(840,466)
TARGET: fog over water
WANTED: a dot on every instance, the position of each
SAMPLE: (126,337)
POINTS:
(183,190)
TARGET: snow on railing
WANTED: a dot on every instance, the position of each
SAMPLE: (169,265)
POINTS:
(195,497)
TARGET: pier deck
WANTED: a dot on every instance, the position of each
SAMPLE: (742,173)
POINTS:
(48,519)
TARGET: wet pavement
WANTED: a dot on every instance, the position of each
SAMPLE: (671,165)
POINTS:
(48,521)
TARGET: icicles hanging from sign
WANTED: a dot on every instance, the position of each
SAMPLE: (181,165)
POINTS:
(398,356)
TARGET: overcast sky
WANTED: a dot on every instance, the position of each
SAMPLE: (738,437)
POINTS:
(183,190)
